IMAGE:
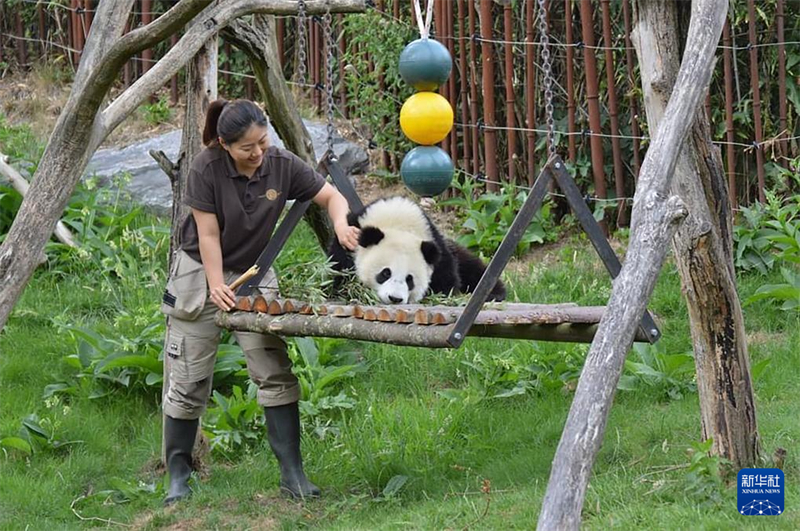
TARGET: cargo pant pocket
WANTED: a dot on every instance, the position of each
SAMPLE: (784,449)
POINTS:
(190,359)
(187,289)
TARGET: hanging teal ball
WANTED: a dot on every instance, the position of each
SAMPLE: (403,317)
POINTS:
(427,170)
(425,64)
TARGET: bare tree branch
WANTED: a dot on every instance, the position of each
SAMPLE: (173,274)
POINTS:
(167,166)
(113,16)
(167,24)
(212,20)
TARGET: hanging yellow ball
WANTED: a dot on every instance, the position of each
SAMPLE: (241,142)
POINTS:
(426,118)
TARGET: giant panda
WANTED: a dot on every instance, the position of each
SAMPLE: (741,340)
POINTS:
(402,256)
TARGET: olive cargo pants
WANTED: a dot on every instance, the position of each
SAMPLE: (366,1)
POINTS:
(192,337)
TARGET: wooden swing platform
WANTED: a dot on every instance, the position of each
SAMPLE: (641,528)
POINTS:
(433,326)
(414,324)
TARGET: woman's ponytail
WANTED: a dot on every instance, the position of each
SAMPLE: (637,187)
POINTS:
(210,134)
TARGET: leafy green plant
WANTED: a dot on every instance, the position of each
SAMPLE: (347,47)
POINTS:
(158,112)
(392,488)
(770,232)
(753,248)
(234,60)
(321,365)
(23,147)
(305,274)
(489,377)
(670,374)
(770,235)
(107,362)
(788,292)
(125,491)
(10,200)
(40,434)
(518,370)
(104,363)
(236,422)
(705,475)
(374,43)
(783,179)
(112,240)
(17,444)
(487,218)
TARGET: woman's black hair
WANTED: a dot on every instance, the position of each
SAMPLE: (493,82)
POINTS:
(230,120)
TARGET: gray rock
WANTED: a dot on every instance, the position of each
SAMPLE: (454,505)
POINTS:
(149,186)
(353,158)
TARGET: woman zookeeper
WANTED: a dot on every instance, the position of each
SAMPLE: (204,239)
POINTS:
(237,188)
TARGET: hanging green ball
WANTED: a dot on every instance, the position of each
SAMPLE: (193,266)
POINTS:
(427,170)
(425,64)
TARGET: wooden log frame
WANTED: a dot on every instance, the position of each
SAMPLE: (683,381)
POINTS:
(414,324)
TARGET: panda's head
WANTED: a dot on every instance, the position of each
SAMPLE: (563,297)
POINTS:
(396,264)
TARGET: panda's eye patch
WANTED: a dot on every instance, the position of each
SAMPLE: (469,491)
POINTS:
(384,275)
(410,282)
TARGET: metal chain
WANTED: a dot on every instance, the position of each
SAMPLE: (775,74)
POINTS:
(548,80)
(330,43)
(301,42)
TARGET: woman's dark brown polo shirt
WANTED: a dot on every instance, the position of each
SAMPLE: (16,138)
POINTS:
(247,209)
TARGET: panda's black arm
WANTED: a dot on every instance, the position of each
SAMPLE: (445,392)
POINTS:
(470,271)
(352,219)
(341,258)
(341,261)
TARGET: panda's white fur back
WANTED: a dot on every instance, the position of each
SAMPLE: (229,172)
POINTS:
(397,213)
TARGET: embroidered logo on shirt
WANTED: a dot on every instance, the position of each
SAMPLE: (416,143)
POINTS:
(271,194)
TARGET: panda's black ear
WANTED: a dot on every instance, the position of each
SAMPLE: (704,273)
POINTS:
(431,252)
(370,236)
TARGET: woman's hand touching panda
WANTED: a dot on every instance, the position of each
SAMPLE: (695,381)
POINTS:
(347,235)
(331,200)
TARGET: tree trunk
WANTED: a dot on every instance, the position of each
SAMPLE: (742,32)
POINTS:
(81,128)
(655,214)
(703,249)
(201,90)
(258,42)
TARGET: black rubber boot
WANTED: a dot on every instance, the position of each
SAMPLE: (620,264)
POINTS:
(179,435)
(283,432)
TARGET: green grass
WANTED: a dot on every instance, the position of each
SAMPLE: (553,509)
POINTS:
(402,425)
